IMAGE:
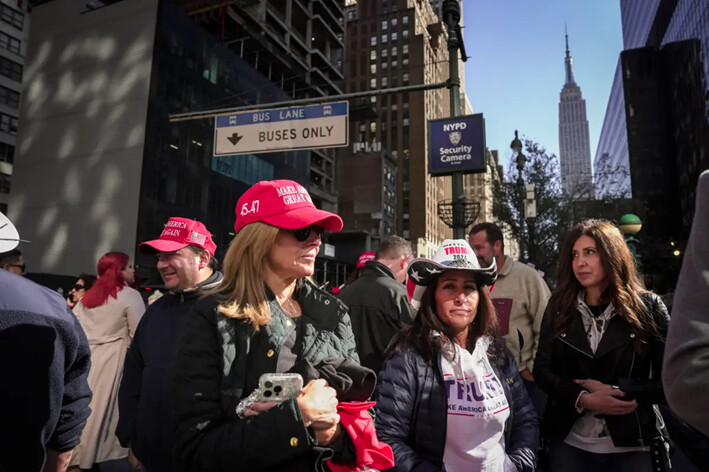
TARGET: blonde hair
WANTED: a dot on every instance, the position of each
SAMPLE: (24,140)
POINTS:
(241,292)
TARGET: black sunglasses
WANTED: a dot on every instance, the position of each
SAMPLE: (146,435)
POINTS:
(303,234)
(78,287)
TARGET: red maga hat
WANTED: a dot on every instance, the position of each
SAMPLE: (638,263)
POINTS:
(179,233)
(283,204)
(364,257)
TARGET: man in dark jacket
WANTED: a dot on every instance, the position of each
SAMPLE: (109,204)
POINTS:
(377,301)
(44,366)
(185,253)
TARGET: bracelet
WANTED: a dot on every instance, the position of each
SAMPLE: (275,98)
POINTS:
(579,407)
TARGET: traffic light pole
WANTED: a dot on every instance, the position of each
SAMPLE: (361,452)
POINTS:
(451,13)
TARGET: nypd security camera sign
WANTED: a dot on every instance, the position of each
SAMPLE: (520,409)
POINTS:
(457,145)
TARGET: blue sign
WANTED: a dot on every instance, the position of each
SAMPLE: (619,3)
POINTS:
(457,145)
(282,114)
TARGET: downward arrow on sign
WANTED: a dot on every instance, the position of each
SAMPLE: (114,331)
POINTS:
(234,138)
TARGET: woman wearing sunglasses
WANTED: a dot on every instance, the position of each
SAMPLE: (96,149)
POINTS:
(77,292)
(265,316)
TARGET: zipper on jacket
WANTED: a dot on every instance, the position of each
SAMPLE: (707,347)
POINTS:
(574,347)
(637,418)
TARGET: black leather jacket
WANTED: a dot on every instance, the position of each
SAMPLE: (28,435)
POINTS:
(568,356)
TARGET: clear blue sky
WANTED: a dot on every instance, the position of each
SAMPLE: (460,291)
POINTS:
(516,66)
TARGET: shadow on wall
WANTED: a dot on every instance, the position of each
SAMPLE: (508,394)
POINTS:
(80,146)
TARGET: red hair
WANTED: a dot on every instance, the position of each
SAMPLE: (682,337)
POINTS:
(110,279)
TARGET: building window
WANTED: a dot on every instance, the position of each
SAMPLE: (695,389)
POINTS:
(9,97)
(8,124)
(385,38)
(405,61)
(384,25)
(9,43)
(406,122)
(12,16)
(351,15)
(405,78)
(7,153)
(394,22)
(385,83)
(385,65)
(373,83)
(373,41)
(10,69)
(405,49)
(373,55)
(4,183)
(394,36)
(405,20)
(373,68)
(373,127)
(405,33)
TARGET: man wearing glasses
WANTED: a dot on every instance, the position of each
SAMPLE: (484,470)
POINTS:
(185,259)
(12,261)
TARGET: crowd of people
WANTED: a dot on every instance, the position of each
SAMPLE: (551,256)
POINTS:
(464,361)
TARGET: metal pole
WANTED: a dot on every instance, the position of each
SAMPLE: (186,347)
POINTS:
(198,115)
(451,10)
(520,185)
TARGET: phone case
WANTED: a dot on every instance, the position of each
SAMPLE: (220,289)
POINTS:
(279,387)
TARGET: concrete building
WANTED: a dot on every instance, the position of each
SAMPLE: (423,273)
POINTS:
(384,182)
(574,141)
(99,166)
(14,34)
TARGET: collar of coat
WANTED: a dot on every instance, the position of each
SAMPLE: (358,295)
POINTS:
(318,306)
(377,269)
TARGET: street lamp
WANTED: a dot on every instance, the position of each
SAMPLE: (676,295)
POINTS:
(630,225)
(521,159)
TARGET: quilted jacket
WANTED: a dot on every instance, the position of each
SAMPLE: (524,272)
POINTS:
(219,362)
(412,408)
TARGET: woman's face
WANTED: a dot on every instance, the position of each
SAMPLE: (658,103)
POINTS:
(587,264)
(291,258)
(78,290)
(128,273)
(457,299)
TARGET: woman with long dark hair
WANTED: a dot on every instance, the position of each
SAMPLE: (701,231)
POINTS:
(600,356)
(109,312)
(450,395)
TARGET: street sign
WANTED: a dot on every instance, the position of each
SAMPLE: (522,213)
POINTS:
(281,129)
(457,144)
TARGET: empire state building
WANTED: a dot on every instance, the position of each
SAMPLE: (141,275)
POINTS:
(574,143)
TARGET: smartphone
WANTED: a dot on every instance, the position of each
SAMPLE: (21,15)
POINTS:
(279,387)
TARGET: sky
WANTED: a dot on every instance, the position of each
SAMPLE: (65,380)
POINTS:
(515,69)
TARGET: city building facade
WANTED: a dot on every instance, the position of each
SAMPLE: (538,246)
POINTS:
(100,166)
(574,142)
(14,35)
(384,183)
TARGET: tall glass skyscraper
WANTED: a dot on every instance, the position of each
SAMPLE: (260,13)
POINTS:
(574,143)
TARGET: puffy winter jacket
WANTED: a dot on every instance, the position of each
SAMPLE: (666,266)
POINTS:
(412,410)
